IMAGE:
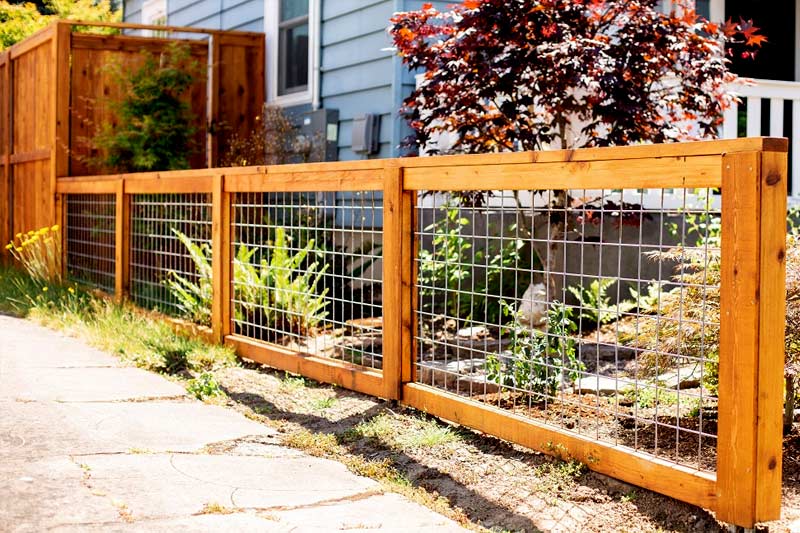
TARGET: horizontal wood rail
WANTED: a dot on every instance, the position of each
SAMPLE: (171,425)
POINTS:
(751,173)
(692,486)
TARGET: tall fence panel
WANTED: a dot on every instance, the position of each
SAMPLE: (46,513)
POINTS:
(524,295)
(55,94)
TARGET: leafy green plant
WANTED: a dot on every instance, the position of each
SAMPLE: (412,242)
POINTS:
(154,126)
(281,291)
(194,298)
(19,20)
(447,268)
(204,386)
(595,303)
(537,362)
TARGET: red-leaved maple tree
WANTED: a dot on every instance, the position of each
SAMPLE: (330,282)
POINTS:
(509,75)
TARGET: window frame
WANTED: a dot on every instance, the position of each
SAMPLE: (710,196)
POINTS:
(275,55)
(154,12)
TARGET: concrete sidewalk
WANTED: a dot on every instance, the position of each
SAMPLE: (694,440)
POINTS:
(89,445)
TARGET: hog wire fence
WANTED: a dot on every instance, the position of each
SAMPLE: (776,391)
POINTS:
(635,329)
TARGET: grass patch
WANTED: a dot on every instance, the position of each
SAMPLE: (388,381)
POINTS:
(404,433)
(292,383)
(557,477)
(321,404)
(136,337)
(216,508)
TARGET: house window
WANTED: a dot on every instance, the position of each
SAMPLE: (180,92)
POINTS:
(292,42)
(154,12)
(293,47)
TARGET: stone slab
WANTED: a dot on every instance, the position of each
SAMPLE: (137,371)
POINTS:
(87,384)
(396,515)
(203,523)
(158,485)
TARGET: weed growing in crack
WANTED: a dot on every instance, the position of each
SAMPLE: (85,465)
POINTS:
(204,386)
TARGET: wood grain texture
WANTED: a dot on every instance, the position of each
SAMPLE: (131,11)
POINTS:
(121,242)
(324,180)
(668,172)
(392,284)
(739,338)
(772,320)
(685,484)
(221,260)
(324,370)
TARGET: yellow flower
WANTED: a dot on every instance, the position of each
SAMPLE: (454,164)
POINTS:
(71,290)
(44,289)
(54,227)
(19,235)
(31,232)
(9,246)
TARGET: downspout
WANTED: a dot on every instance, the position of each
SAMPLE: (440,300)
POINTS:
(316,53)
(397,92)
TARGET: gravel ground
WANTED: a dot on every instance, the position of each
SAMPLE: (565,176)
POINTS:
(496,485)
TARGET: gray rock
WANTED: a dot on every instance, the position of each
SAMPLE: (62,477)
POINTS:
(687,377)
(602,385)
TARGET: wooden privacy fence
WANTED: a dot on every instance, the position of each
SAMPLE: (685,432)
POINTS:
(54,93)
(395,293)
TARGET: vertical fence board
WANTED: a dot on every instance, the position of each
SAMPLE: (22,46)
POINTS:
(221,259)
(738,352)
(61,142)
(212,100)
(772,320)
(392,279)
(121,242)
(409,281)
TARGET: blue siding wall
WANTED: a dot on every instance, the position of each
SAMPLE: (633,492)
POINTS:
(244,15)
(357,72)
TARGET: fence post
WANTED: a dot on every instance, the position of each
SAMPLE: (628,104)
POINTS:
(751,354)
(220,259)
(409,296)
(212,100)
(62,42)
(121,241)
(393,323)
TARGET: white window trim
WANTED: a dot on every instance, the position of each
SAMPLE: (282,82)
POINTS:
(154,12)
(311,94)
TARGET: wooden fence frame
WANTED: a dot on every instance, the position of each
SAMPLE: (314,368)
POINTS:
(50,117)
(752,174)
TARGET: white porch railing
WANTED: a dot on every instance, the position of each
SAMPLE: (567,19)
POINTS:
(777,92)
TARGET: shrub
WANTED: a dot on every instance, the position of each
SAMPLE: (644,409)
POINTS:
(154,125)
(39,253)
(449,266)
(275,140)
(537,362)
(20,20)
(596,304)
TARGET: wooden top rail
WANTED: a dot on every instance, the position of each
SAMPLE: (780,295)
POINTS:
(677,165)
(42,36)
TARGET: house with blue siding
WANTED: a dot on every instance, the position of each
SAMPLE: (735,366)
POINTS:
(331,55)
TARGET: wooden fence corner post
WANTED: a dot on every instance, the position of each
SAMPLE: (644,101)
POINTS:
(752,304)
(393,324)
(220,260)
(212,100)
(121,241)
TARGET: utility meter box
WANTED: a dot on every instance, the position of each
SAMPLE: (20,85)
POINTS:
(366,131)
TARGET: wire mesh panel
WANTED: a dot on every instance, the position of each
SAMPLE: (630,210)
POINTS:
(593,311)
(307,271)
(170,254)
(90,234)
